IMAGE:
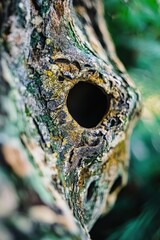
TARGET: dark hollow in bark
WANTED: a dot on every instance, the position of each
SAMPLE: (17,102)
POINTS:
(116,184)
(87,104)
(91,190)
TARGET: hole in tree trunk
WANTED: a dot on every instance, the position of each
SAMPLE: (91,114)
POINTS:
(91,190)
(87,103)
(116,184)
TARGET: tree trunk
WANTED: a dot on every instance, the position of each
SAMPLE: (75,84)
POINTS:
(67,108)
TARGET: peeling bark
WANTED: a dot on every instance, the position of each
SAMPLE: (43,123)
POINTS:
(57,176)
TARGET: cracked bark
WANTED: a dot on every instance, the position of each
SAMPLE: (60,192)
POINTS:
(57,176)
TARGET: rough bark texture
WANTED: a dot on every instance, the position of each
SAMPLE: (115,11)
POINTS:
(57,177)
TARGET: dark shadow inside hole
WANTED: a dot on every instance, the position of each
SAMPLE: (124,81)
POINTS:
(87,103)
(116,184)
(91,190)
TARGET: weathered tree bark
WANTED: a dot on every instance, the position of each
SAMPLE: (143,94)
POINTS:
(67,108)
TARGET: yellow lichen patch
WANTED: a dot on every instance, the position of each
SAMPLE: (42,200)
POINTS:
(92,77)
(112,160)
(49,73)
(68,68)
(84,174)
(48,144)
(96,79)
(50,82)
(64,142)
(74,132)
(57,54)
(48,41)
(55,155)
(54,138)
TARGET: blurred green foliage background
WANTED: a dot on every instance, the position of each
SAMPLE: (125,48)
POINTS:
(135,29)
